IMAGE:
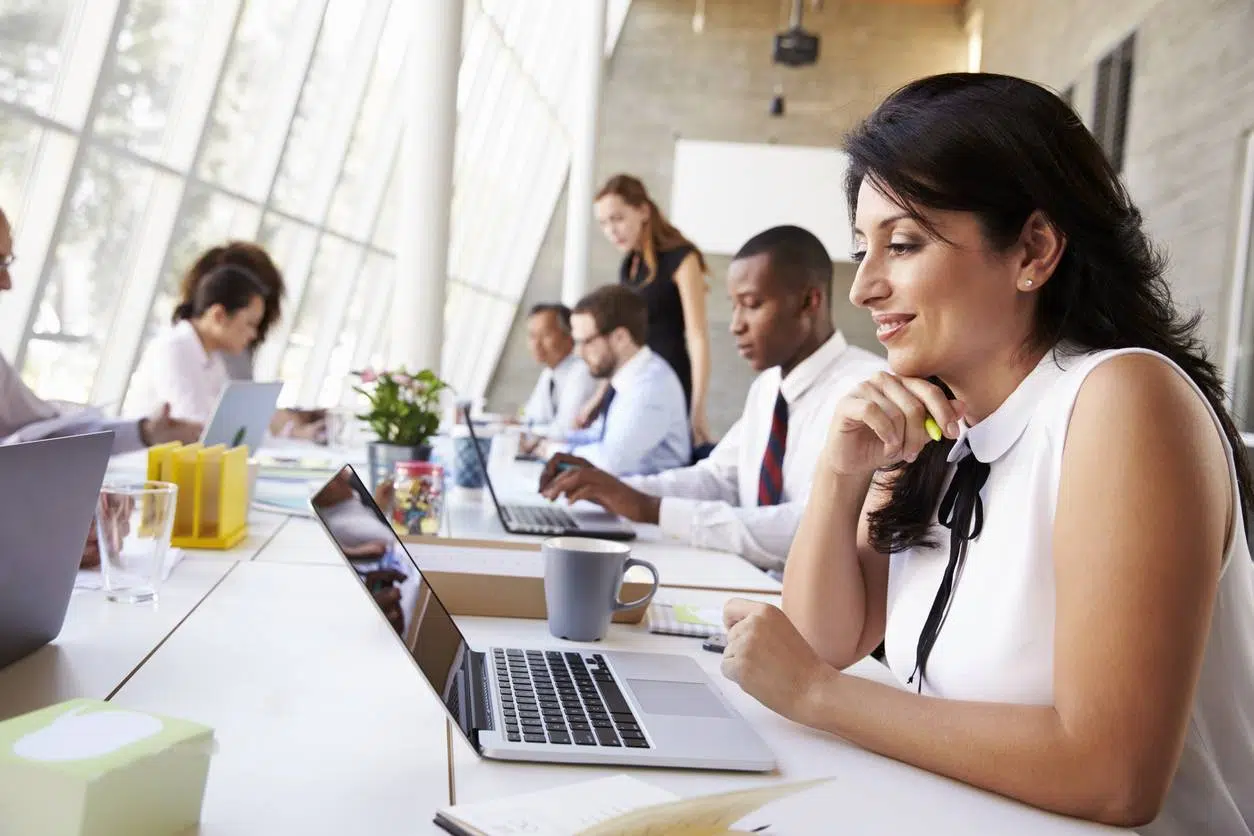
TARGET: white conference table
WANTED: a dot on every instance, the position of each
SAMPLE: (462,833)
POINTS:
(323,725)
(869,794)
(101,642)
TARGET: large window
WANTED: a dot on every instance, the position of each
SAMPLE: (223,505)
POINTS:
(1239,347)
(135,134)
(1114,93)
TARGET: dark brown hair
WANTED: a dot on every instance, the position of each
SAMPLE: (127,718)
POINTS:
(614,306)
(1004,148)
(659,234)
(252,258)
(234,288)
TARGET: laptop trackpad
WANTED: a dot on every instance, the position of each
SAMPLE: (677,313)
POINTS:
(684,699)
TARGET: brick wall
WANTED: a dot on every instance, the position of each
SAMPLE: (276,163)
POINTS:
(1192,105)
(665,81)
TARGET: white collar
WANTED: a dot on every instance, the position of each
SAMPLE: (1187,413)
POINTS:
(814,368)
(564,365)
(993,437)
(186,331)
(632,369)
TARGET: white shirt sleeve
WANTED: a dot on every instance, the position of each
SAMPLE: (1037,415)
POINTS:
(174,371)
(762,535)
(701,505)
(714,478)
(21,409)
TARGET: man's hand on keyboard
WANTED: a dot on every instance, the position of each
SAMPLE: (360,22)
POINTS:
(587,482)
(558,464)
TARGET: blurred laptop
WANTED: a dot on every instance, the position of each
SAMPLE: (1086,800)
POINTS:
(243,414)
(555,704)
(47,504)
(551,520)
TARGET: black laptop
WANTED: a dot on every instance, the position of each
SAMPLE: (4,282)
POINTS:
(550,520)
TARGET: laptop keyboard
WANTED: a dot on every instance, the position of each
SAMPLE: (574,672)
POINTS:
(555,697)
(538,519)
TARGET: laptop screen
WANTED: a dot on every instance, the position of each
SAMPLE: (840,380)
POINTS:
(371,547)
(483,463)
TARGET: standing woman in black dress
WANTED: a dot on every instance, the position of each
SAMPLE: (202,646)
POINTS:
(669,271)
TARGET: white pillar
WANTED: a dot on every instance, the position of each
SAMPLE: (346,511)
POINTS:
(426,173)
(581,186)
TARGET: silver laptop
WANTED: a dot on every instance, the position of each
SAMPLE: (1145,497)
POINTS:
(558,704)
(550,520)
(47,504)
(242,415)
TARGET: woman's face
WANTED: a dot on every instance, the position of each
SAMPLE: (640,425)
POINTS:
(234,332)
(940,308)
(621,222)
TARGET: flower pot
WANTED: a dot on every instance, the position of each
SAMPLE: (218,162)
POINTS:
(382,458)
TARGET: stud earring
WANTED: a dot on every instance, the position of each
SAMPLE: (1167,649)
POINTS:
(1027,283)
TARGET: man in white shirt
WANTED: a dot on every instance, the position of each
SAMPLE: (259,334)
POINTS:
(565,384)
(24,416)
(748,496)
(642,427)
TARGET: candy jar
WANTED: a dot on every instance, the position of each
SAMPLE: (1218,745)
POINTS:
(419,497)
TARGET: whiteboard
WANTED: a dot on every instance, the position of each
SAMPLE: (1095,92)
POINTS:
(724,193)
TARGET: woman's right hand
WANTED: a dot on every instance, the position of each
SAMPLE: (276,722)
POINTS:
(881,422)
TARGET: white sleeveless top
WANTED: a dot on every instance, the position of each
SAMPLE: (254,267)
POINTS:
(997,643)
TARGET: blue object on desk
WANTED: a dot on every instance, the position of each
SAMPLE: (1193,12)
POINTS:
(467,464)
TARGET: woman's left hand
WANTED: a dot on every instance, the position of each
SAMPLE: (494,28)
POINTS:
(768,658)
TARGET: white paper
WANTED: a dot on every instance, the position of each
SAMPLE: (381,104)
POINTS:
(619,806)
(563,811)
(93,579)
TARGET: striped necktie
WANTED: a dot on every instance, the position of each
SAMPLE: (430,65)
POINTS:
(604,409)
(771,480)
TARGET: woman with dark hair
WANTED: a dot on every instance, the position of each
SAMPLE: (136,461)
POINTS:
(297,423)
(251,257)
(1061,579)
(185,364)
(668,271)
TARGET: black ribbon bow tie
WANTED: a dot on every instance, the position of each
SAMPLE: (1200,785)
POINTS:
(962,512)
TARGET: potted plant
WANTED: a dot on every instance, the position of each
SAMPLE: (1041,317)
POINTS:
(404,413)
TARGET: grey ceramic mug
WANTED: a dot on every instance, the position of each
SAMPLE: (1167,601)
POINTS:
(582,578)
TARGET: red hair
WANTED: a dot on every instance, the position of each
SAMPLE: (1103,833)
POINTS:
(660,234)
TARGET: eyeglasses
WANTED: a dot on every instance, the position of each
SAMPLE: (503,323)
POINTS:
(581,343)
(6,261)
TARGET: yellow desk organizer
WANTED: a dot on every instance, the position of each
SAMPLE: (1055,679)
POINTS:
(212,511)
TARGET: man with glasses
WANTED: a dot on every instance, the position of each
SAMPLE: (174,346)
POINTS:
(747,497)
(24,417)
(642,427)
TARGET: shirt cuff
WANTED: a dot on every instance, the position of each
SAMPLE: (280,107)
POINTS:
(126,438)
(675,517)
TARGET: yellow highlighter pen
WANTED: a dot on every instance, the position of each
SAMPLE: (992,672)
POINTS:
(933,428)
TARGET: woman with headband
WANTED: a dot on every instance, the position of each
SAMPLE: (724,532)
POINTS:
(185,365)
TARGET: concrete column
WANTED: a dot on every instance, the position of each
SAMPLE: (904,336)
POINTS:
(581,185)
(426,173)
